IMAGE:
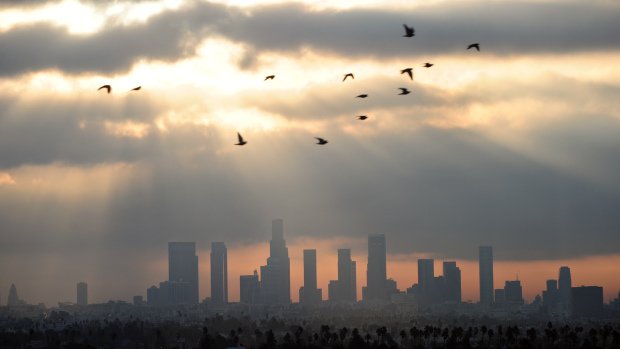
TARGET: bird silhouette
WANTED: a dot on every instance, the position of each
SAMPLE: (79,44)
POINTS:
(241,140)
(269,77)
(362,117)
(107,87)
(428,65)
(476,46)
(409,72)
(347,75)
(361,96)
(409,31)
(403,91)
(136,88)
(321,141)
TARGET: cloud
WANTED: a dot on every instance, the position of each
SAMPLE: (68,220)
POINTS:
(502,28)
(6,179)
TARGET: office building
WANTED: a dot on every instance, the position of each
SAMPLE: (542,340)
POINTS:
(275,276)
(485,263)
(309,294)
(182,273)
(219,273)
(564,290)
(13,299)
(376,270)
(82,293)
(587,301)
(249,289)
(452,282)
(550,297)
(513,293)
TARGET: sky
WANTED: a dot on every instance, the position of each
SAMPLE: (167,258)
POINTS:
(516,146)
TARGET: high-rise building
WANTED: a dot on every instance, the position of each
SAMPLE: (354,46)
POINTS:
(309,294)
(551,297)
(249,289)
(13,299)
(152,296)
(345,288)
(587,301)
(219,273)
(183,272)
(376,272)
(564,290)
(513,293)
(426,272)
(452,281)
(82,293)
(485,262)
(276,276)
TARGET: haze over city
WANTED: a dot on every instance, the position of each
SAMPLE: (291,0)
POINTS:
(515,145)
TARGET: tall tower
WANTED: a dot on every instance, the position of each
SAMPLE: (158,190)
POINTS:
(13,299)
(564,290)
(276,276)
(344,291)
(183,273)
(485,262)
(309,294)
(219,273)
(376,272)
(82,293)
(452,279)
(426,272)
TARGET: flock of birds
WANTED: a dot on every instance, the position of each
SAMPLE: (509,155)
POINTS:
(409,32)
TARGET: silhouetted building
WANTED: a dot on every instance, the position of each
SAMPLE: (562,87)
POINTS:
(152,296)
(564,290)
(138,301)
(485,262)
(249,289)
(452,279)
(500,296)
(13,299)
(425,292)
(309,294)
(182,273)
(587,301)
(82,293)
(376,272)
(550,297)
(275,276)
(219,273)
(513,293)
(345,288)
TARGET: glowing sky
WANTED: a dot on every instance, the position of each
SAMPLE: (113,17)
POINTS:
(516,146)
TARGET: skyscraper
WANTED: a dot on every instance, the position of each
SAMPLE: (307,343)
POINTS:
(13,299)
(452,280)
(219,273)
(275,276)
(513,292)
(344,274)
(249,289)
(551,297)
(82,293)
(426,272)
(354,281)
(376,274)
(309,294)
(564,290)
(183,273)
(485,260)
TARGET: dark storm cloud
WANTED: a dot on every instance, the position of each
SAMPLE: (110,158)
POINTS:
(503,28)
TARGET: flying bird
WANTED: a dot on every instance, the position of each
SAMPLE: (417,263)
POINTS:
(409,72)
(362,117)
(403,91)
(241,140)
(269,77)
(409,31)
(476,46)
(107,87)
(321,141)
(136,88)
(361,96)
(347,75)
(428,65)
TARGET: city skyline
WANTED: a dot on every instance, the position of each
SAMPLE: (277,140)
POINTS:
(120,124)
